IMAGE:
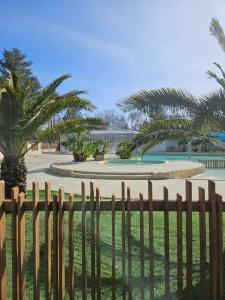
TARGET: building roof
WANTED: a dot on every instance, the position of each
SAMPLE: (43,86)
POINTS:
(113,131)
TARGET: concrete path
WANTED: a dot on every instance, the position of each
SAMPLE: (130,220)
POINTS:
(38,170)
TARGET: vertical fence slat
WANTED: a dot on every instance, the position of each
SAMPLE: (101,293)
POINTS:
(3,285)
(213,240)
(14,231)
(84,258)
(36,241)
(220,244)
(142,275)
(61,247)
(21,248)
(123,231)
(151,241)
(71,247)
(92,199)
(202,233)
(166,244)
(48,247)
(129,245)
(179,248)
(56,246)
(98,248)
(189,257)
(113,250)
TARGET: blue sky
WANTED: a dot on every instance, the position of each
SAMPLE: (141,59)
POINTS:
(114,48)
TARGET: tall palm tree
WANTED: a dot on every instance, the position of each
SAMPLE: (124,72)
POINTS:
(177,114)
(23,117)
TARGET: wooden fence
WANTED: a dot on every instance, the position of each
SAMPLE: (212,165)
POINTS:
(59,221)
(213,164)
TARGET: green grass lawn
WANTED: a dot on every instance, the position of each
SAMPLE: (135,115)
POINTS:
(105,233)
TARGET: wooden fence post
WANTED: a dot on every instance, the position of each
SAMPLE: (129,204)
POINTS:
(129,245)
(142,256)
(179,248)
(56,246)
(123,235)
(21,248)
(98,247)
(113,250)
(71,247)
(48,246)
(62,294)
(14,232)
(166,244)
(189,257)
(219,219)
(92,209)
(202,233)
(213,240)
(36,241)
(84,258)
(3,285)
(151,241)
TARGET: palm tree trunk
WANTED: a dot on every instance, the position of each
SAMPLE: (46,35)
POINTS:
(14,173)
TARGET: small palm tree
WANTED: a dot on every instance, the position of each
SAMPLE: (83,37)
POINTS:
(100,149)
(81,146)
(124,150)
(23,117)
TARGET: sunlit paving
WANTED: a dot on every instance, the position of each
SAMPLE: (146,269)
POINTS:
(112,150)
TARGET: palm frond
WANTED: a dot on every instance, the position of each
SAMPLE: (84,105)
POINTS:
(217,31)
(52,108)
(34,103)
(213,75)
(160,102)
(69,126)
(160,130)
(213,110)
(220,81)
(220,68)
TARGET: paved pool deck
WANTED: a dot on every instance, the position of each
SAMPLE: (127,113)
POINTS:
(38,170)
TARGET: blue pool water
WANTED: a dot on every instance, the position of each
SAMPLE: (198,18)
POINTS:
(182,157)
(160,159)
(135,162)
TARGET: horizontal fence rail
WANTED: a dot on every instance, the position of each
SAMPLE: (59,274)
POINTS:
(83,247)
(213,163)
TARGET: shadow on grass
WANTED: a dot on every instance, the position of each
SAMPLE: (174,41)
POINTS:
(106,281)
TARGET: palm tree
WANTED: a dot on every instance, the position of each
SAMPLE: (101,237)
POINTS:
(23,117)
(81,146)
(175,114)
